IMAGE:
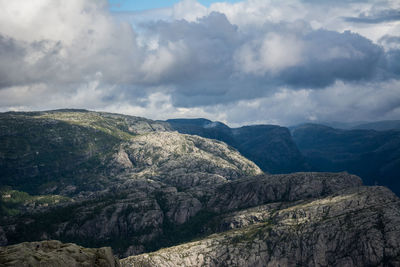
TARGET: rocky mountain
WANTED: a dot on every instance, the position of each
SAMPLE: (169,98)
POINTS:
(69,152)
(54,253)
(162,198)
(104,179)
(269,146)
(352,227)
(373,155)
(63,151)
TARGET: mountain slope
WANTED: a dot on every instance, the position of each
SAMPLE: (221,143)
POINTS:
(270,147)
(68,152)
(115,172)
(379,125)
(374,156)
(55,253)
(354,227)
(63,151)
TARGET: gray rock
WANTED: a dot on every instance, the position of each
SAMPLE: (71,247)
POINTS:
(54,253)
(355,227)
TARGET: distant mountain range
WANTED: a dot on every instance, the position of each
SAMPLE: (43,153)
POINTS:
(379,125)
(373,155)
(375,125)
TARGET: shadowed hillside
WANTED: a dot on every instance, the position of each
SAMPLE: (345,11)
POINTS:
(270,147)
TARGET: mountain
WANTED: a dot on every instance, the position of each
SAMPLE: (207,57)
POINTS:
(357,125)
(332,124)
(54,253)
(104,179)
(343,229)
(270,147)
(63,151)
(379,125)
(373,155)
(158,197)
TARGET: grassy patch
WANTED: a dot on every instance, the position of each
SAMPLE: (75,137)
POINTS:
(13,201)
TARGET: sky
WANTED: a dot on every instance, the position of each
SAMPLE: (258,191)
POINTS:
(239,62)
(129,5)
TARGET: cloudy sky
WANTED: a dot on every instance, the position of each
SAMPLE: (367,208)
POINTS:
(240,62)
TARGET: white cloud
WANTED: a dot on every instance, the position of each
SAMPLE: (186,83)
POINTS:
(189,10)
(271,54)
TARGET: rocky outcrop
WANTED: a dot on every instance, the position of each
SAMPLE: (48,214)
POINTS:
(354,227)
(278,188)
(54,253)
(270,146)
(141,215)
(63,152)
(182,160)
(68,152)
(126,177)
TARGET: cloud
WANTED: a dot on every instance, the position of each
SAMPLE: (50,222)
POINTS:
(272,54)
(211,61)
(241,63)
(377,17)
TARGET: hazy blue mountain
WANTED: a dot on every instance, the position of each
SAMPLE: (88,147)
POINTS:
(333,124)
(379,125)
(357,125)
(269,146)
(373,155)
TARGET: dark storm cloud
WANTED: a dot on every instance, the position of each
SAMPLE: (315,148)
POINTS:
(206,51)
(388,40)
(208,71)
(376,17)
(335,56)
(393,62)
(10,61)
(24,63)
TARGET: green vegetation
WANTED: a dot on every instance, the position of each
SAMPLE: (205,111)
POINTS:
(114,126)
(40,152)
(13,201)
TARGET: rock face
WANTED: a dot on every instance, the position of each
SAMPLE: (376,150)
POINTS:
(278,188)
(271,147)
(372,155)
(68,152)
(142,215)
(353,227)
(54,253)
(125,178)
(63,152)
(184,160)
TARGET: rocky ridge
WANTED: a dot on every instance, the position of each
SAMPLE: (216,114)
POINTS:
(353,227)
(123,178)
(54,253)
(269,146)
